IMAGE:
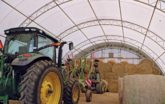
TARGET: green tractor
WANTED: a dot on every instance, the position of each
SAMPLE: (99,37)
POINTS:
(99,85)
(31,72)
(81,73)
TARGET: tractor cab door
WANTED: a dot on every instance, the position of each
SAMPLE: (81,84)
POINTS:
(49,51)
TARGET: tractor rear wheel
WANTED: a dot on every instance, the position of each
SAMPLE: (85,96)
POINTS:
(41,84)
(72,92)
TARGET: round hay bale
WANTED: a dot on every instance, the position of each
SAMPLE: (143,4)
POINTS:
(130,69)
(124,62)
(156,71)
(112,62)
(118,69)
(104,67)
(109,67)
(144,68)
(111,75)
(143,89)
(112,85)
(146,61)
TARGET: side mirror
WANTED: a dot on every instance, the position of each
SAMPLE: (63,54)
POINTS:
(70,45)
(1,45)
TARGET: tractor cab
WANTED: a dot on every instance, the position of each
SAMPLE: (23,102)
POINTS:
(28,40)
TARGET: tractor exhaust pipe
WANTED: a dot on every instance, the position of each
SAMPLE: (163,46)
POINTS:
(60,54)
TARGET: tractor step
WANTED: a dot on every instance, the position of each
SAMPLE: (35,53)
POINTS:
(14,102)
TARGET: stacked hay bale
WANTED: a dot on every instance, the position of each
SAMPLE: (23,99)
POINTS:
(119,69)
(132,89)
(131,69)
(156,71)
(145,67)
(104,68)
(112,71)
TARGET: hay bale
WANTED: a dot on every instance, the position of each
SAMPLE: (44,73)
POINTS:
(120,89)
(109,67)
(156,71)
(143,89)
(104,67)
(146,61)
(124,62)
(118,69)
(130,69)
(112,85)
(112,62)
(110,75)
(144,68)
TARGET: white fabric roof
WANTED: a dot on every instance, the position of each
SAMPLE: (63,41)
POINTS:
(139,23)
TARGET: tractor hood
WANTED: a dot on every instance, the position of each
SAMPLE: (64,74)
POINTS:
(27,58)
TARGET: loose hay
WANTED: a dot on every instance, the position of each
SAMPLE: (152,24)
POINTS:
(143,89)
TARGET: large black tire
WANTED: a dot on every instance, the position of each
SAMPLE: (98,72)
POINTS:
(30,85)
(100,88)
(70,96)
(88,95)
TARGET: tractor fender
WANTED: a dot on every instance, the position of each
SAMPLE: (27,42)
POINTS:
(24,61)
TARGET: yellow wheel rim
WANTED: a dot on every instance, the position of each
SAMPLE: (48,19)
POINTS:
(50,91)
(75,93)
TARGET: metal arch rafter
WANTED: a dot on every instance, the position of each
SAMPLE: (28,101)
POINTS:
(73,22)
(114,22)
(159,56)
(135,49)
(117,39)
(97,19)
(45,8)
(27,17)
(30,20)
(100,46)
(2,36)
(121,17)
(149,23)
(161,8)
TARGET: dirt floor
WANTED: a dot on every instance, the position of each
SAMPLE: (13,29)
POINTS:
(107,98)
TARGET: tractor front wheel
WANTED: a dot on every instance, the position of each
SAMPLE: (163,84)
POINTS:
(71,92)
(41,84)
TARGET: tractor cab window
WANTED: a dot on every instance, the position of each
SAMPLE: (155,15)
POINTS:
(20,43)
(43,41)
